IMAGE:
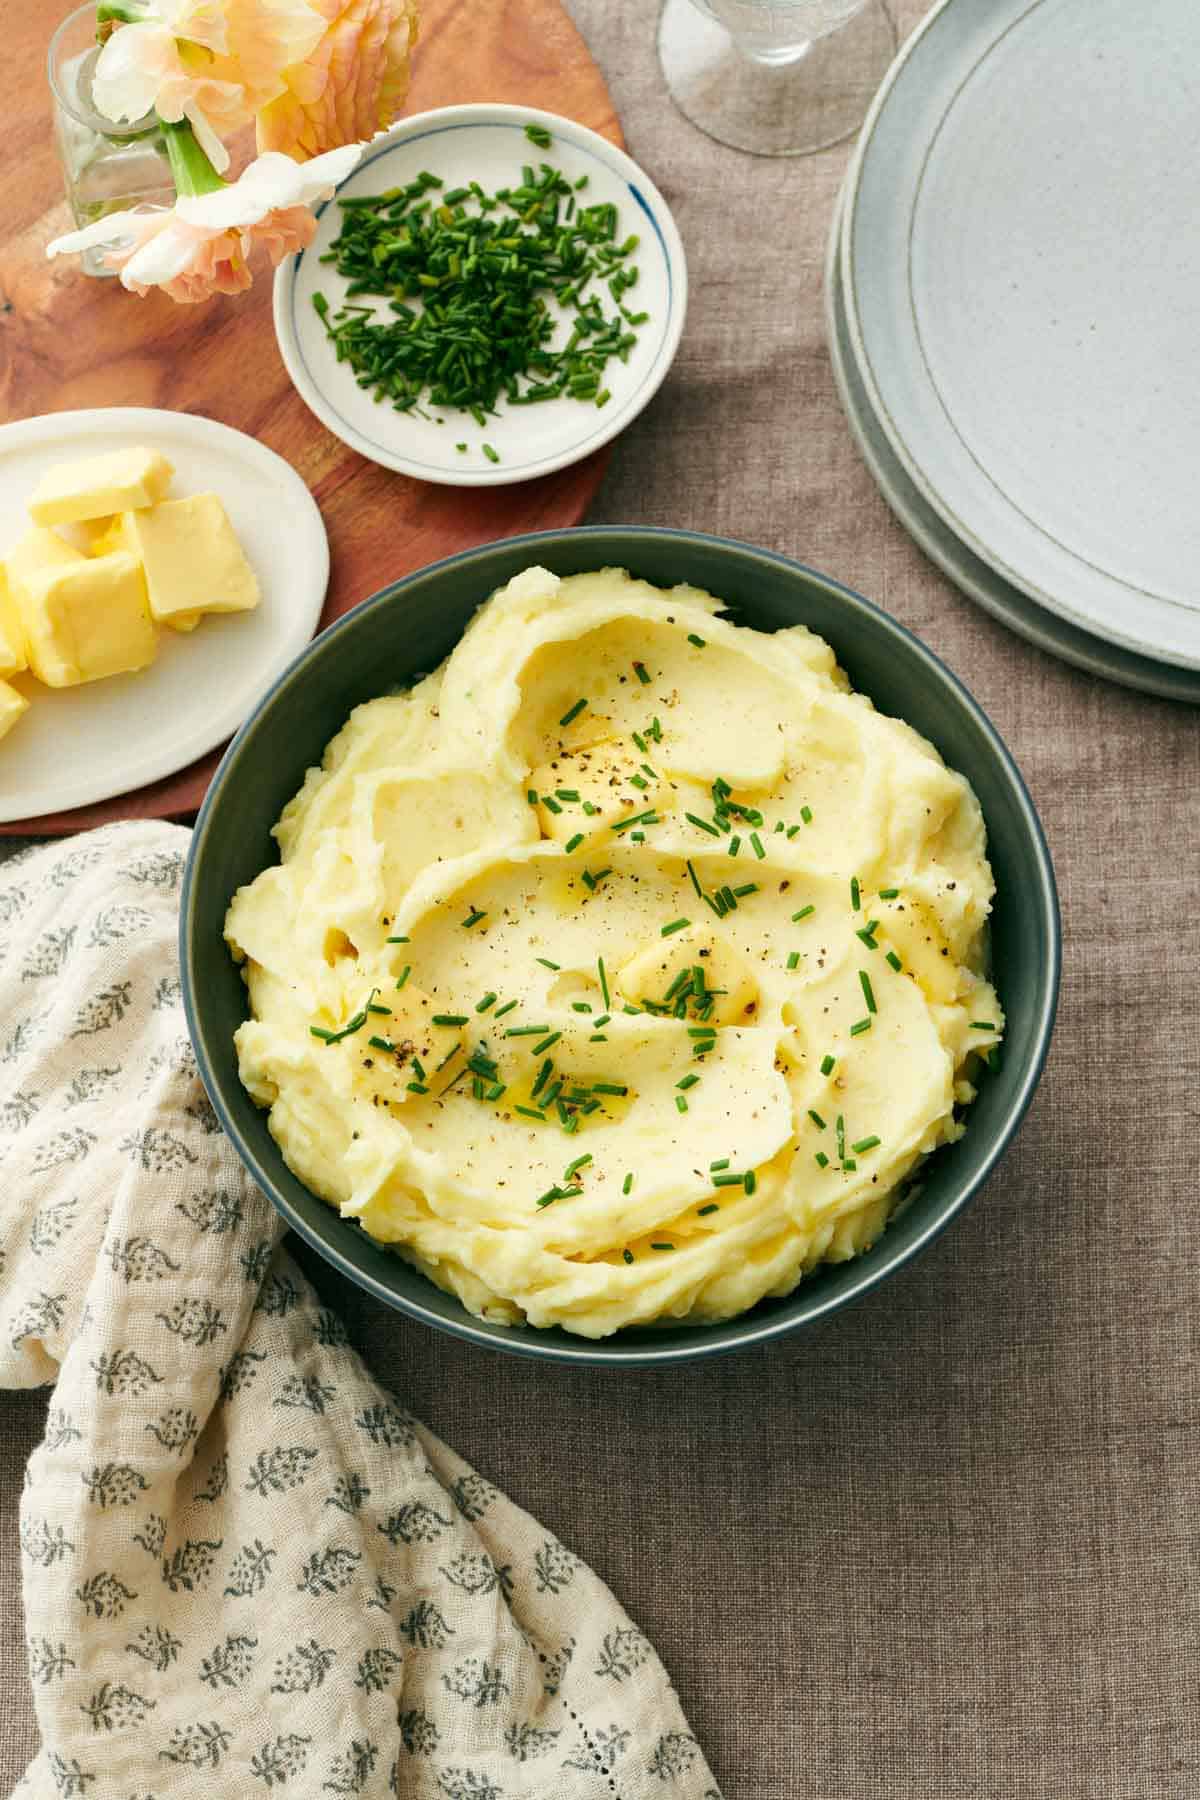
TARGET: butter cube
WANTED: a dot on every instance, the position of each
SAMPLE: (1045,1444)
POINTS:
(37,550)
(87,620)
(111,483)
(12,705)
(12,633)
(192,558)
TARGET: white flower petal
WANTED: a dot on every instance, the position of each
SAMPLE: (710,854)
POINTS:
(162,257)
(114,228)
(206,137)
(271,182)
(130,70)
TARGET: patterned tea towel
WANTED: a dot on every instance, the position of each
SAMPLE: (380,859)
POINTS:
(246,1568)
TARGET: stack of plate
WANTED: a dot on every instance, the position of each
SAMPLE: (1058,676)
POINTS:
(1013,294)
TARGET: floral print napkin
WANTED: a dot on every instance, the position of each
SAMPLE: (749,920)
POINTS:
(246,1568)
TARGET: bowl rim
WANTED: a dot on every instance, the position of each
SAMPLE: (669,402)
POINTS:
(615,419)
(742,1332)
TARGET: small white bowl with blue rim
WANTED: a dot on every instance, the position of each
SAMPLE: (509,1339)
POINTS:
(487,144)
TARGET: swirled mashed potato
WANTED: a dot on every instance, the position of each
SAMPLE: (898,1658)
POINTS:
(623,969)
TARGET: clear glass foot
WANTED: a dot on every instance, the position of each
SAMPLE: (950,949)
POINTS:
(775,77)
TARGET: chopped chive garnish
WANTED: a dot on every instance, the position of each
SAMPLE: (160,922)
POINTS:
(597,1037)
(855,900)
(821,1160)
(506,1008)
(802,914)
(662,1246)
(381,1043)
(570,795)
(864,1144)
(610,1087)
(983,1025)
(840,1128)
(827,1063)
(722,1163)
(396,940)
(806,814)
(546,1042)
(868,937)
(702,1031)
(693,639)
(749,887)
(862,1025)
(559,1193)
(581,1006)
(639,670)
(418,1068)
(573,712)
(327,1037)
(750,1181)
(495,1091)
(449,1019)
(793,961)
(573,843)
(681,1104)
(756,845)
(894,960)
(703,1211)
(547,964)
(645,818)
(473,918)
(531,796)
(703,824)
(735,844)
(689,1081)
(639,781)
(602,1021)
(779,824)
(868,991)
(792,830)
(405,972)
(543,1077)
(580,1162)
(492,454)
(522,1030)
(537,134)
(647,770)
(416,1087)
(695,882)
(589,809)
(675,925)
(729,1179)
(550,803)
(640,741)
(889,893)
(376,1008)
(530,1112)
(849,1164)
(627,1188)
(628,1255)
(816,1118)
(603,982)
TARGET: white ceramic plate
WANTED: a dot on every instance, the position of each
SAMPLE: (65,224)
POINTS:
(1021,274)
(77,745)
(975,578)
(487,144)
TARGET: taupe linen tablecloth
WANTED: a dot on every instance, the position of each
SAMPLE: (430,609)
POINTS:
(948,1543)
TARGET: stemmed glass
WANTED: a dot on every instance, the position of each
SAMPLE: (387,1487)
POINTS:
(776,77)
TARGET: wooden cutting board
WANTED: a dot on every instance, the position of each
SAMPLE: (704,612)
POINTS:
(68,341)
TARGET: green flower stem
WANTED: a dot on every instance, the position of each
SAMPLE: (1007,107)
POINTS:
(121,12)
(190,168)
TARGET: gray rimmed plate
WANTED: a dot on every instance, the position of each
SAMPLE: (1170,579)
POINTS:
(968,572)
(1020,269)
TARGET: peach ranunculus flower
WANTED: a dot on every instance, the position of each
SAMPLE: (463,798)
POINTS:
(211,62)
(201,246)
(352,84)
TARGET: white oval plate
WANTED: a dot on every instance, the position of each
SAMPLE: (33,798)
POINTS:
(487,144)
(1020,269)
(82,744)
(973,577)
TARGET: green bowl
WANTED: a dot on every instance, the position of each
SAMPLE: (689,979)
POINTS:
(410,627)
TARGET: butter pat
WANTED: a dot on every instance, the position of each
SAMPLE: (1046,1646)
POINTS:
(192,558)
(12,705)
(87,620)
(12,633)
(112,483)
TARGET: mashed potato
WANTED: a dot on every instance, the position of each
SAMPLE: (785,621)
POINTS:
(623,969)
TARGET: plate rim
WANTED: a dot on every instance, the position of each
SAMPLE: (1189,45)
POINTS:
(303,515)
(482,113)
(1028,586)
(1038,626)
